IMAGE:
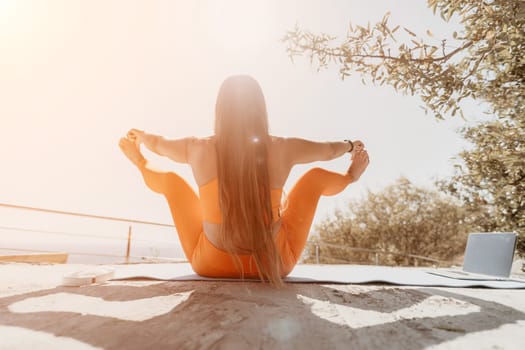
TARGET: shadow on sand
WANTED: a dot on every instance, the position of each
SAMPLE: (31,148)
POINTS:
(230,315)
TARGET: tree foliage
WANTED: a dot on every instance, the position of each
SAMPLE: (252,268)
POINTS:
(491,178)
(484,60)
(402,220)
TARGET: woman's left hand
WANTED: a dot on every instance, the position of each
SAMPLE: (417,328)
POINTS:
(136,136)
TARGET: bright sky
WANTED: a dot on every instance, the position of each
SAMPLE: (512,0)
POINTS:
(76,75)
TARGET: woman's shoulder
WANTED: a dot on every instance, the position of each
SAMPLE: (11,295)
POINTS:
(277,140)
(198,139)
(201,141)
(285,144)
(199,147)
(286,140)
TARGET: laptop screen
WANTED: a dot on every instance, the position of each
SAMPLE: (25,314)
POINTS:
(490,253)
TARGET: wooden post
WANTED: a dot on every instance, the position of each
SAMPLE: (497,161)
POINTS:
(317,254)
(129,244)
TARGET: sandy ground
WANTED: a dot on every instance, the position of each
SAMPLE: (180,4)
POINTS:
(37,313)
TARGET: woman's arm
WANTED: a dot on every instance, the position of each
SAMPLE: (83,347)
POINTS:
(176,150)
(301,151)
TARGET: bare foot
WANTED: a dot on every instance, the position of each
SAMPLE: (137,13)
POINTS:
(131,151)
(359,163)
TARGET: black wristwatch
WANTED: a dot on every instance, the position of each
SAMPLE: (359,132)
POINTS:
(351,144)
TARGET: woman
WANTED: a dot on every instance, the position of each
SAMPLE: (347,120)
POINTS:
(237,227)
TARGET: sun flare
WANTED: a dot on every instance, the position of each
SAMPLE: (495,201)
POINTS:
(15,17)
(8,9)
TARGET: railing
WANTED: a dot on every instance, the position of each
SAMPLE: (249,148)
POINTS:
(51,211)
(127,257)
(376,253)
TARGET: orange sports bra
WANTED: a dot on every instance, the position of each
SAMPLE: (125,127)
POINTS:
(209,198)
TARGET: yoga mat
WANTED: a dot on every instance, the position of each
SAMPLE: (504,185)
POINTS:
(346,274)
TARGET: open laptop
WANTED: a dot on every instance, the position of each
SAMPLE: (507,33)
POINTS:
(488,256)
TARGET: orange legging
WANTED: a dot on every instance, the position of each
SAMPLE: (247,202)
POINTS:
(205,258)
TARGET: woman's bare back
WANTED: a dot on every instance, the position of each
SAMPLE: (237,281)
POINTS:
(203,161)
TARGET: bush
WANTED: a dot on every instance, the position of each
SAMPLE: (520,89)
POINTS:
(401,221)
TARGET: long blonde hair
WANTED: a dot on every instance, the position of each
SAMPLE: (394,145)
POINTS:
(242,139)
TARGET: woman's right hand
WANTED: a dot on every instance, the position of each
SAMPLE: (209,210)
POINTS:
(136,135)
